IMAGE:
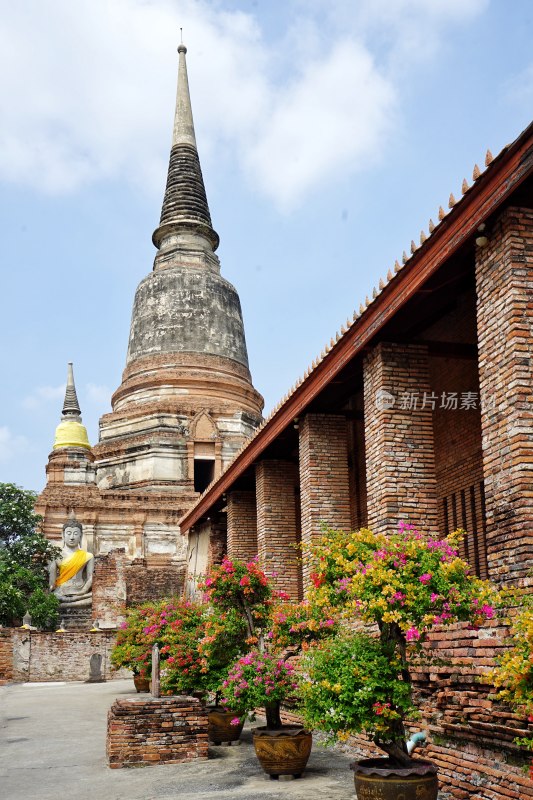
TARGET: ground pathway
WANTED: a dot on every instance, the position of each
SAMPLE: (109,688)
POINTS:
(52,747)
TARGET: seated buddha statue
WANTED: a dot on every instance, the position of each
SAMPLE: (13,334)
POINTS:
(71,577)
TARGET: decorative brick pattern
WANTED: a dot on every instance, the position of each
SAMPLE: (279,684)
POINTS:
(242,525)
(400,460)
(504,280)
(324,477)
(148,730)
(277,523)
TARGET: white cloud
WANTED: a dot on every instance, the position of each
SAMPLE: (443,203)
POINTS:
(334,118)
(11,445)
(43,394)
(86,88)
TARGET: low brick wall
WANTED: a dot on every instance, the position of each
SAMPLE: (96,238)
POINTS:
(163,730)
(44,656)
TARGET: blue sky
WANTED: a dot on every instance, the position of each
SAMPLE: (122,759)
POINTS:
(329,133)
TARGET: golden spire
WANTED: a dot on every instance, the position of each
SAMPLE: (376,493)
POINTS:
(71,432)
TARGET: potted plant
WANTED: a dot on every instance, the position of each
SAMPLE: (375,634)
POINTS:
(403,584)
(264,680)
(132,648)
(263,677)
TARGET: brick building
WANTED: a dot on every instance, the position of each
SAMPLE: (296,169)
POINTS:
(185,406)
(420,408)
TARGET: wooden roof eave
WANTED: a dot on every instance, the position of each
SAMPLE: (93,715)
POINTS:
(510,168)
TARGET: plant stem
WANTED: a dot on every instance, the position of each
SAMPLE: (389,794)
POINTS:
(273,718)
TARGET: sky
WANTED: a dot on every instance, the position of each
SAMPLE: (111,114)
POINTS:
(329,132)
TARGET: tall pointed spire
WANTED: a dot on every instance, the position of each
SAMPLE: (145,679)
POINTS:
(185,212)
(71,432)
(71,407)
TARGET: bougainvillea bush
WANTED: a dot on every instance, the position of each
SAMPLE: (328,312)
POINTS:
(197,643)
(259,680)
(276,630)
(243,587)
(176,626)
(404,583)
(514,675)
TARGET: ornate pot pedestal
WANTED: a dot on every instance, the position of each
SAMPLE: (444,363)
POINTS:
(220,728)
(375,778)
(282,752)
(141,684)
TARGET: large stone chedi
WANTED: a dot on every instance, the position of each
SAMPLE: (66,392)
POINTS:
(186,402)
(185,406)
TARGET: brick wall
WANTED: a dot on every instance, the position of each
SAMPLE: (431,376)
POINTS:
(146,581)
(44,656)
(148,730)
(504,282)
(6,655)
(277,523)
(400,459)
(458,457)
(324,477)
(109,588)
(242,525)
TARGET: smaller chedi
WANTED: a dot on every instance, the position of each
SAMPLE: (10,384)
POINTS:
(71,576)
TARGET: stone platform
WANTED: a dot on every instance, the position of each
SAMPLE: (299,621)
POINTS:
(156,730)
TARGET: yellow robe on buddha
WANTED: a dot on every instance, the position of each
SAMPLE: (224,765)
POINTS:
(71,566)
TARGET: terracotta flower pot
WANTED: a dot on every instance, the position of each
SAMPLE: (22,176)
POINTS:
(220,728)
(375,777)
(282,752)
(141,684)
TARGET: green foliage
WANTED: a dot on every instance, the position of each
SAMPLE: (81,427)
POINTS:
(514,674)
(404,583)
(24,556)
(44,609)
(259,679)
(353,683)
(196,644)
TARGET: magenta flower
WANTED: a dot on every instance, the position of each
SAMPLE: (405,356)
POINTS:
(412,633)
(235,721)
(425,578)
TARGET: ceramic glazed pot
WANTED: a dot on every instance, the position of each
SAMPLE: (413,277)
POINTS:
(220,728)
(374,777)
(282,752)
(141,684)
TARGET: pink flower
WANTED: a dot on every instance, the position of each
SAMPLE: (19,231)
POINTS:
(412,633)
(235,721)
(209,581)
(244,581)
(434,597)
(487,611)
(425,578)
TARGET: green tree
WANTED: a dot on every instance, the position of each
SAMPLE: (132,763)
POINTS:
(24,556)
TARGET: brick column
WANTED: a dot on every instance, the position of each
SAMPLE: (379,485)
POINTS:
(400,460)
(504,283)
(324,477)
(242,525)
(277,524)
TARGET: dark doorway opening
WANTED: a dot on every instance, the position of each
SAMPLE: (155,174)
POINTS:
(204,472)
